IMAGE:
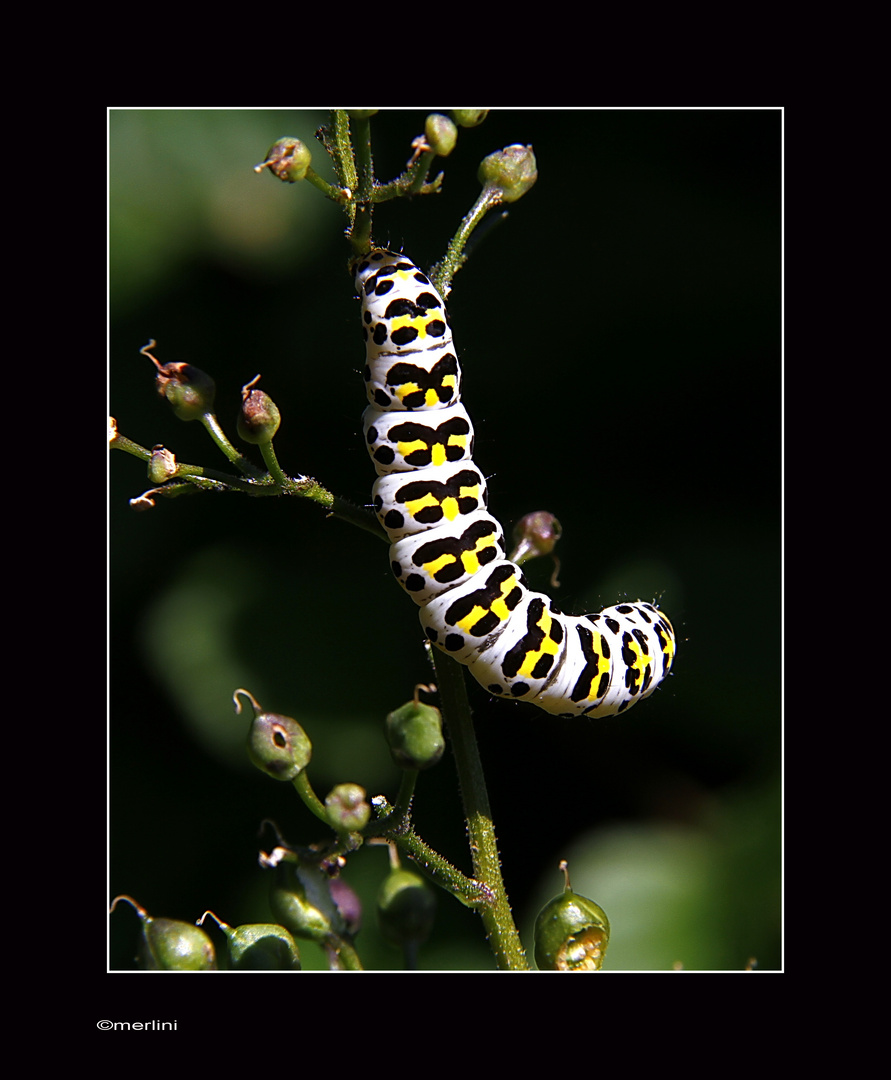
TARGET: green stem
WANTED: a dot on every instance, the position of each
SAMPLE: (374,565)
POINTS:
(402,806)
(360,237)
(364,164)
(393,824)
(360,234)
(309,797)
(342,150)
(441,275)
(419,171)
(355,515)
(272,464)
(335,194)
(260,484)
(347,955)
(338,144)
(249,487)
(473,894)
(400,188)
(497,918)
(219,437)
(121,442)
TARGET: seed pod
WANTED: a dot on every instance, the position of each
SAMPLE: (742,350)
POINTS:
(347,808)
(288,159)
(171,945)
(468,118)
(414,733)
(512,171)
(406,908)
(277,744)
(441,134)
(571,933)
(259,947)
(259,417)
(300,898)
(189,390)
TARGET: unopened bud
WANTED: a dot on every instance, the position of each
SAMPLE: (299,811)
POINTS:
(259,417)
(189,390)
(441,134)
(347,807)
(512,171)
(468,118)
(259,946)
(277,744)
(414,732)
(406,908)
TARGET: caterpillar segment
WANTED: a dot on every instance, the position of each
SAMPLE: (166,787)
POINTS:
(448,551)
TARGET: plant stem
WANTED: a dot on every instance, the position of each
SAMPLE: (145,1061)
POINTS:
(275,470)
(364,164)
(261,484)
(402,806)
(309,797)
(219,437)
(348,956)
(471,893)
(497,918)
(355,515)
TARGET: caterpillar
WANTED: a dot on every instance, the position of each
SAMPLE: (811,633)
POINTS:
(448,552)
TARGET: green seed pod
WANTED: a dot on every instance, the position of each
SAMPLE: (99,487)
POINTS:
(571,934)
(162,465)
(263,947)
(278,746)
(361,114)
(414,733)
(259,417)
(536,534)
(512,171)
(406,908)
(288,159)
(301,900)
(171,945)
(348,810)
(468,118)
(189,390)
(441,134)
(259,946)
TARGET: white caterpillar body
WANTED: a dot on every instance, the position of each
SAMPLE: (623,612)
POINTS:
(448,551)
